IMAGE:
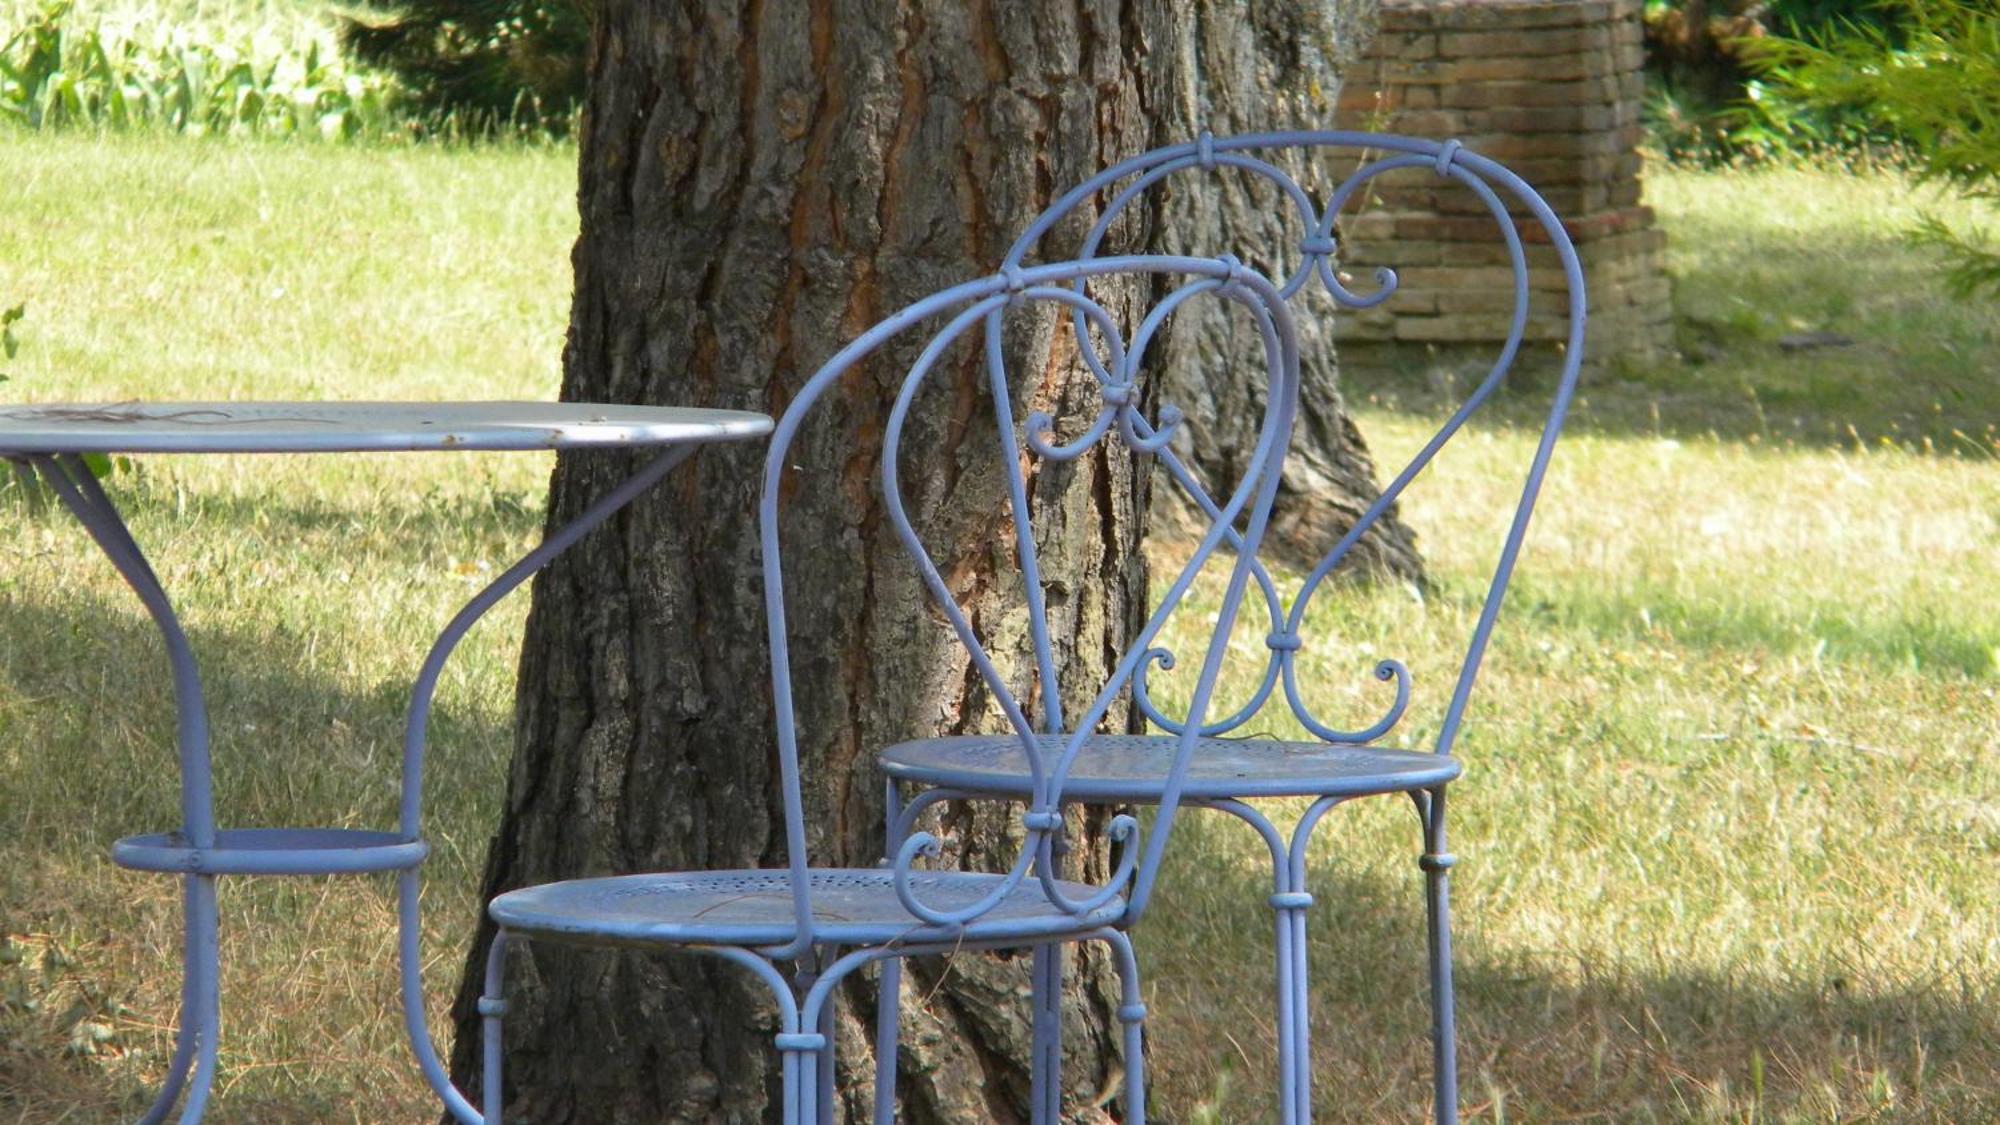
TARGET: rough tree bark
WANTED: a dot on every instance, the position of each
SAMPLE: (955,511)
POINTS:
(758,183)
(1268,67)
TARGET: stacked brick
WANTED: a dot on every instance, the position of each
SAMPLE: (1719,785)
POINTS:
(1552,89)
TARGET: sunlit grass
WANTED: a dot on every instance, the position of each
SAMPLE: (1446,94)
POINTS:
(1729,805)
(311,586)
(1729,824)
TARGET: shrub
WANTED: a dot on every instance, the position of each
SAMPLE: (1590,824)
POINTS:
(1706,101)
(55,74)
(1933,81)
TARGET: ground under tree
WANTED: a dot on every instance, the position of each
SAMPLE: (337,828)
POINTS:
(758,184)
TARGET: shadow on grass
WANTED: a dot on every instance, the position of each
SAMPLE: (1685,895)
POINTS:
(87,729)
(1565,1033)
(1762,397)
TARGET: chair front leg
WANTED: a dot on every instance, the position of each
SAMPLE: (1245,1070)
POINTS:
(1131,1014)
(889,986)
(492,1010)
(1047,977)
(1437,862)
(1289,902)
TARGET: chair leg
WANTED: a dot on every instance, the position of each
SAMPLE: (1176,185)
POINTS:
(888,992)
(888,1016)
(824,1065)
(1294,1011)
(1045,1096)
(801,1052)
(492,1010)
(1132,1014)
(1436,863)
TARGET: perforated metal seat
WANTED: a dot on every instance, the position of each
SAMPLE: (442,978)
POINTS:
(1133,768)
(851,906)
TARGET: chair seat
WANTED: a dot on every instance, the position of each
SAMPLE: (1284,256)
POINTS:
(753,908)
(1132,768)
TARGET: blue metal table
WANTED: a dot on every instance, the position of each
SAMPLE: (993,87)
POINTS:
(52,442)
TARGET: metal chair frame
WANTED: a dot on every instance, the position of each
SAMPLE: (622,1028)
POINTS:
(771,924)
(1349,766)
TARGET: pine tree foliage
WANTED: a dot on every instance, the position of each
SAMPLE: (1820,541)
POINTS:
(1936,85)
(489,64)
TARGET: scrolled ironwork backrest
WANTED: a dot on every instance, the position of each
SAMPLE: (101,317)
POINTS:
(1239,518)
(1124,184)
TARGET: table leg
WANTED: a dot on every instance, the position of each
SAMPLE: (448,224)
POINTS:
(184,1036)
(205,992)
(70,478)
(416,727)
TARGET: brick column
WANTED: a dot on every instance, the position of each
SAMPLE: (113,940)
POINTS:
(1551,88)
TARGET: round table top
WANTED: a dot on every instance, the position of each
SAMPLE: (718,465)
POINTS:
(333,427)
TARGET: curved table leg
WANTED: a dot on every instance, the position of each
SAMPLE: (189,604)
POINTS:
(70,478)
(184,1037)
(416,727)
(202,931)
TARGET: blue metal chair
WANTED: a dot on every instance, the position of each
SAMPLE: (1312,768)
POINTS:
(1225,772)
(801,928)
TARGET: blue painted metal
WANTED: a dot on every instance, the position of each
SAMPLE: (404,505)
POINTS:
(1224,771)
(824,923)
(49,440)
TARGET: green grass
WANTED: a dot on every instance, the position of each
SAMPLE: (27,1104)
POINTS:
(166,268)
(1763,253)
(1728,835)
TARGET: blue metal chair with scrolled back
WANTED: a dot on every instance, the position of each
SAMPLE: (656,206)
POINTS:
(801,928)
(1226,770)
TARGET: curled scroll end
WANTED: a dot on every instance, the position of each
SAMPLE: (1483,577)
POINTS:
(1386,671)
(922,843)
(1037,429)
(919,844)
(1386,284)
(1124,831)
(1142,692)
(1170,418)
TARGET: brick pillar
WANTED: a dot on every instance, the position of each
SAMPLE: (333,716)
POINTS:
(1552,89)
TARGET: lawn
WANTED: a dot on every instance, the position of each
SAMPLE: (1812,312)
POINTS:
(1728,836)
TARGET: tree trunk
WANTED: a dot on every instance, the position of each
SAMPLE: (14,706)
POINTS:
(759,183)
(1275,67)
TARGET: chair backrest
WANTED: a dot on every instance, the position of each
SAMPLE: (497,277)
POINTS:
(1117,190)
(980,313)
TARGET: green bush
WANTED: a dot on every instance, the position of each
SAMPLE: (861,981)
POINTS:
(55,74)
(1932,80)
(1706,100)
